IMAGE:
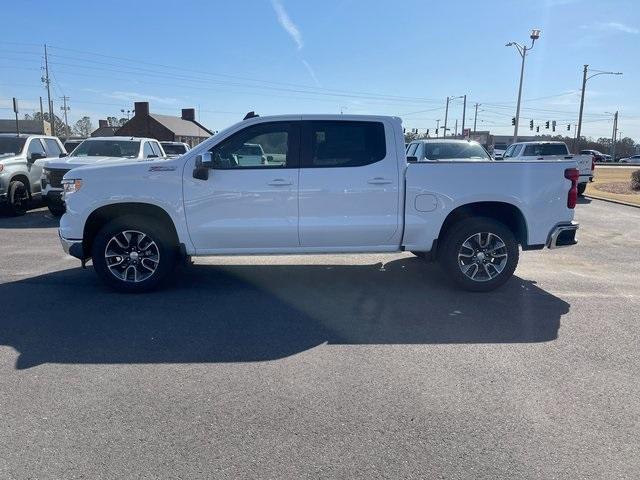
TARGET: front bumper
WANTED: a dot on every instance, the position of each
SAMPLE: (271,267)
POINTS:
(54,197)
(72,247)
(563,235)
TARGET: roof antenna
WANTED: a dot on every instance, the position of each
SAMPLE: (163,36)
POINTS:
(249,115)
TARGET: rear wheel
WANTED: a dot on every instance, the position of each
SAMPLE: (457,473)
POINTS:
(18,198)
(479,254)
(133,254)
(581,188)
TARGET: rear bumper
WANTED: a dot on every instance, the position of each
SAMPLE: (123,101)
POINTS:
(563,235)
(72,247)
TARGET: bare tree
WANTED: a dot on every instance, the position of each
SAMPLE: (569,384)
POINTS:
(83,127)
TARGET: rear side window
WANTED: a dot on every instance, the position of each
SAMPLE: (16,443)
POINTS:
(52,147)
(412,150)
(147,150)
(545,149)
(35,147)
(343,143)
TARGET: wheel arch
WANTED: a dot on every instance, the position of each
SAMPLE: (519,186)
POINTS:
(508,214)
(102,215)
(24,179)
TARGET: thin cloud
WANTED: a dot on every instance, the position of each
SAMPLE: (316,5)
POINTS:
(619,27)
(128,96)
(285,22)
(311,73)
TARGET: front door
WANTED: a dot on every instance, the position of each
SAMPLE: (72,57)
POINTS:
(250,200)
(349,181)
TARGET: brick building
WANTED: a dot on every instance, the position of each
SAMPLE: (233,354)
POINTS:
(165,127)
(104,129)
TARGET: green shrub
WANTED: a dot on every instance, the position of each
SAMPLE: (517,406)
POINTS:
(635,180)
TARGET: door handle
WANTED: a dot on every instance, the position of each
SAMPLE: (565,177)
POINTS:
(280,182)
(379,181)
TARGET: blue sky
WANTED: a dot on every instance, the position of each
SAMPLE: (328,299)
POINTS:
(284,56)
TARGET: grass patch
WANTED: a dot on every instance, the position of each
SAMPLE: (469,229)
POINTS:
(613,183)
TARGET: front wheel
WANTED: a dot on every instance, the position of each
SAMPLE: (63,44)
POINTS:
(581,188)
(133,254)
(56,209)
(479,254)
(18,197)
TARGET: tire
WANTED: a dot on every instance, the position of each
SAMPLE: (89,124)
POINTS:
(420,255)
(140,254)
(17,198)
(581,188)
(487,265)
(56,209)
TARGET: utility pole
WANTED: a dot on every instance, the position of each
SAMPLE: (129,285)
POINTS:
(613,138)
(437,128)
(42,117)
(584,84)
(65,109)
(46,81)
(446,115)
(464,112)
(15,110)
(475,118)
(456,128)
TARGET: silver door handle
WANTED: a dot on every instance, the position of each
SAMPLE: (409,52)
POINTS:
(379,181)
(280,182)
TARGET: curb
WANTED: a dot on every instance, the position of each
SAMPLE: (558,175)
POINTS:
(619,202)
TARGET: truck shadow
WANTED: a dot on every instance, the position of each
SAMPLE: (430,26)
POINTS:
(245,313)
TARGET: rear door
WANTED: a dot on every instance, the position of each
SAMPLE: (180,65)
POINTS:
(349,181)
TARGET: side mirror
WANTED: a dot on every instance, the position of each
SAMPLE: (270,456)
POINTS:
(412,159)
(269,158)
(36,156)
(204,162)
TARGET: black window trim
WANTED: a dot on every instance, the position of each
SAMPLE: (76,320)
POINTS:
(306,154)
(42,146)
(293,146)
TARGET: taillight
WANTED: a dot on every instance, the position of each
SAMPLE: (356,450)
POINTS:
(572,197)
(593,163)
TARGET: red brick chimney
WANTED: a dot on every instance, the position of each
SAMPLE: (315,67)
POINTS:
(189,114)
(141,109)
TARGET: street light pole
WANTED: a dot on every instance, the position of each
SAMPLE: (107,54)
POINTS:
(522,50)
(446,115)
(438,128)
(584,84)
(475,118)
(613,137)
(464,112)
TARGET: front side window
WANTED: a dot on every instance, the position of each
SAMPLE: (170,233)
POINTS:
(107,148)
(344,143)
(157,149)
(52,147)
(509,151)
(259,146)
(412,150)
(35,146)
(174,148)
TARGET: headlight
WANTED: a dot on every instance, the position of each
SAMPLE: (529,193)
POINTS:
(71,185)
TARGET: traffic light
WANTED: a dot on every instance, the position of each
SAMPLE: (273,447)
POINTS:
(568,126)
(437,132)
(513,120)
(427,132)
(538,128)
(546,125)
(553,125)
(530,124)
(404,130)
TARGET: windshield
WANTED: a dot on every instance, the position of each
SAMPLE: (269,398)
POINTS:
(107,148)
(457,150)
(11,145)
(172,149)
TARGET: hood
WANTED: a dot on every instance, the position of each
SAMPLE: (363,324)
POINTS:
(10,156)
(73,162)
(130,168)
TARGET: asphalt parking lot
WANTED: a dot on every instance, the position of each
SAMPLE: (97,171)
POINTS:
(323,366)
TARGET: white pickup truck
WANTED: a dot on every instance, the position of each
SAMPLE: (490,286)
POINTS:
(341,184)
(534,151)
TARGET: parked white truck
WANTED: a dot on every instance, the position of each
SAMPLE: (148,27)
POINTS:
(535,151)
(342,184)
